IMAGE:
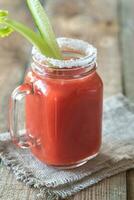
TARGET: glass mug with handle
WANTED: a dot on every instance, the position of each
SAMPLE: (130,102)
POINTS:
(62,111)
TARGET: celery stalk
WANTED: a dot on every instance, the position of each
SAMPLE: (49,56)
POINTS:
(44,39)
(7,26)
(44,26)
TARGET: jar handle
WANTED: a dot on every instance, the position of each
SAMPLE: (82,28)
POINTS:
(19,136)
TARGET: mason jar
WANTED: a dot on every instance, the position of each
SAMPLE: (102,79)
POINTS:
(63,106)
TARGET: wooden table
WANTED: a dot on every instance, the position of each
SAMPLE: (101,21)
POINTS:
(109,25)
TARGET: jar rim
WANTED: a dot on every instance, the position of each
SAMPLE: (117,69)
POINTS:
(84,48)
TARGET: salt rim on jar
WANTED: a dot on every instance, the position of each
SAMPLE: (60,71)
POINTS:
(87,51)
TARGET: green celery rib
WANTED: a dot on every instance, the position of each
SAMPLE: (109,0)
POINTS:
(30,35)
(44,26)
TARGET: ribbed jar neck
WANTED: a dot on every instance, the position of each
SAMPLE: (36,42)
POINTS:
(79,59)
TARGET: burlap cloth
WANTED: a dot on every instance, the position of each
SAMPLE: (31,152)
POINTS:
(117,155)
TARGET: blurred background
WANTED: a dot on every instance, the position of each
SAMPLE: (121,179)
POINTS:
(107,24)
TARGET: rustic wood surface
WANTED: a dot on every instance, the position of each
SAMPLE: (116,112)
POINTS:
(95,21)
(127,45)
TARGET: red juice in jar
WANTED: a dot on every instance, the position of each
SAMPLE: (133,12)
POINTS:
(64,113)
(63,106)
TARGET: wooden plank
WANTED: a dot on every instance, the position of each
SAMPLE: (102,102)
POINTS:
(127,45)
(130,185)
(95,21)
(126,15)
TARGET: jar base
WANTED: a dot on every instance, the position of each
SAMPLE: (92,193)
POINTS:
(76,164)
